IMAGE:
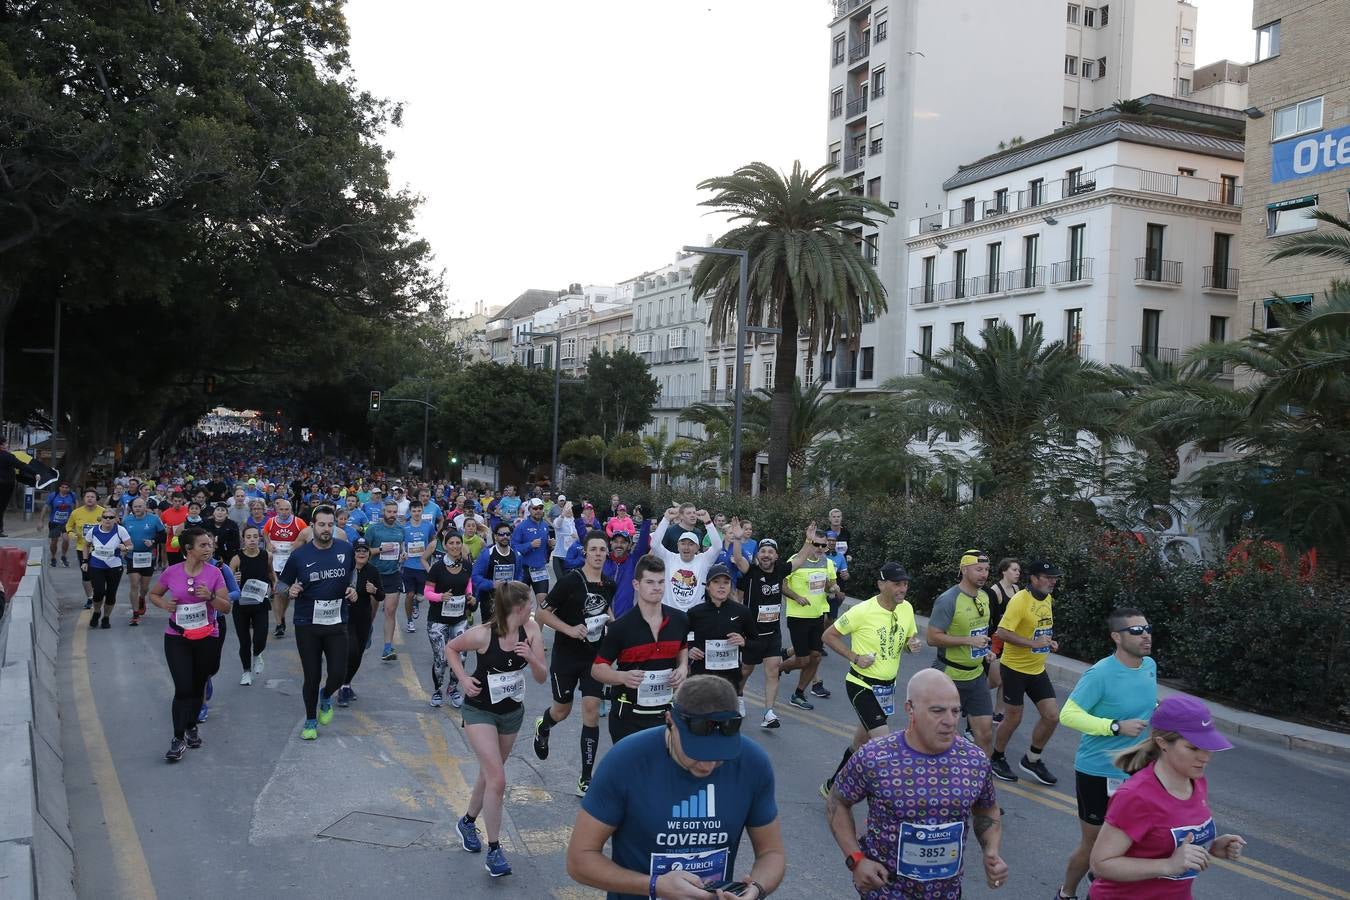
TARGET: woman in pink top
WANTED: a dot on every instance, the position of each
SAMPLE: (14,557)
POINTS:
(620,521)
(1159,833)
(193,593)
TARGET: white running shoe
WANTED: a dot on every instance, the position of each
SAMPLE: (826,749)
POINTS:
(246,678)
(740,706)
(258,664)
(412,628)
(770,720)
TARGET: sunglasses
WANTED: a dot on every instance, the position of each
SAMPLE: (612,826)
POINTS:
(1138,630)
(503,534)
(107,517)
(820,546)
(700,727)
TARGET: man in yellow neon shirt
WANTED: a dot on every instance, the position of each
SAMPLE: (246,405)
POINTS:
(807,591)
(83,519)
(1027,630)
(879,630)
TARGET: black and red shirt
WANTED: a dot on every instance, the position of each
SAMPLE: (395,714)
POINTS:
(628,644)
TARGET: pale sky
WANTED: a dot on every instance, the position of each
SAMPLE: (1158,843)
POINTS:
(559,142)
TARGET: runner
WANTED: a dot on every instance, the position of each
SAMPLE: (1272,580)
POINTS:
(622,561)
(840,561)
(1027,630)
(879,630)
(60,504)
(449,590)
(494,709)
(1159,833)
(564,536)
(959,629)
(578,609)
(257,580)
(720,629)
(174,518)
(808,587)
(237,509)
(643,654)
(361,617)
(374,510)
(417,536)
(532,544)
(101,561)
(1110,705)
(82,520)
(283,533)
(687,519)
(761,586)
(673,804)
(843,537)
(356,516)
(687,566)
(508,507)
(495,566)
(318,577)
(146,531)
(385,537)
(224,532)
(431,511)
(619,520)
(1009,573)
(923,786)
(193,593)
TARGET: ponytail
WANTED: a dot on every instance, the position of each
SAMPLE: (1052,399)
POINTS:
(1132,759)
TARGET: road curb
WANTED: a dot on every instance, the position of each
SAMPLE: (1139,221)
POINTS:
(37,859)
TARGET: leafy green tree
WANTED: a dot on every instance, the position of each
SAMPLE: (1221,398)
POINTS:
(620,391)
(669,458)
(622,457)
(807,274)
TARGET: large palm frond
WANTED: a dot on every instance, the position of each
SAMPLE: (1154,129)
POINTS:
(1333,243)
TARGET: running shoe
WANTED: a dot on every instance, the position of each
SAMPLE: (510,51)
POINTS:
(311,730)
(389,653)
(468,836)
(351,694)
(258,664)
(93,620)
(326,711)
(65,561)
(787,653)
(135,619)
(203,712)
(583,785)
(818,690)
(1002,771)
(412,627)
(107,621)
(210,690)
(417,609)
(342,696)
(193,738)
(246,678)
(436,698)
(496,863)
(280,632)
(740,706)
(770,720)
(798,700)
(456,697)
(998,718)
(89,604)
(1038,771)
(176,749)
(540,739)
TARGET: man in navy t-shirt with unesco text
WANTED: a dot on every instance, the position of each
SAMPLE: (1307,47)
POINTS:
(675,800)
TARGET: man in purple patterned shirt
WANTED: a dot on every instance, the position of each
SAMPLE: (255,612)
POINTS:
(923,787)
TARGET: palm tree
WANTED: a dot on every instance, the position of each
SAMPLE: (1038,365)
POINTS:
(667,457)
(815,415)
(1020,400)
(807,275)
(711,454)
(1333,244)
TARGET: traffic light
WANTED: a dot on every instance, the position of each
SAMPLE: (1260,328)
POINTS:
(374,401)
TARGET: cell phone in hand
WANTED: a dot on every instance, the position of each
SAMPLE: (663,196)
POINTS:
(731,887)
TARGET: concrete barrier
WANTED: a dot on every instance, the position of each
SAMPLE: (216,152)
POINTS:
(37,859)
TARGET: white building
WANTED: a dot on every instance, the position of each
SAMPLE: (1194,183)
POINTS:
(668,332)
(915,85)
(1119,235)
(1223,83)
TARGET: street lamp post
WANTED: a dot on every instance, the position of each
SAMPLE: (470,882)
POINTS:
(426,423)
(741,330)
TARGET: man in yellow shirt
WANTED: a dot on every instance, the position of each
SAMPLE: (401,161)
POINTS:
(83,519)
(1027,630)
(879,630)
(808,590)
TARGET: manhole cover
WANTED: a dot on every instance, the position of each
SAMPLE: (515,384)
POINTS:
(372,828)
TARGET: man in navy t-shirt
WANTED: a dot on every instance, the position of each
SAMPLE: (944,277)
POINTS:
(675,801)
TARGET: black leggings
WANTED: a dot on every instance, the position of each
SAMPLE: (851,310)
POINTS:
(190,664)
(320,645)
(250,626)
(105,582)
(358,633)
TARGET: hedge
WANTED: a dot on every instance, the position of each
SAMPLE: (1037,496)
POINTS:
(1249,636)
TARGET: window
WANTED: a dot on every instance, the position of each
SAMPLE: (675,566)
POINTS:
(1028,322)
(929,278)
(1268,41)
(1218,329)
(1228,189)
(1073,331)
(1001,200)
(874,188)
(838,56)
(874,136)
(809,372)
(1036,192)
(1089,17)
(1183,87)
(1153,251)
(835,151)
(879,83)
(1101,67)
(1073,13)
(1187,36)
(926,340)
(1030,250)
(1280,309)
(958,332)
(1185,172)
(1298,118)
(991,322)
(1148,337)
(968,209)
(1104,16)
(1223,251)
(836,103)
(826,365)
(879,32)
(768,374)
(867,364)
(993,259)
(1074,178)
(959,274)
(1089,68)
(1070,65)
(1289,216)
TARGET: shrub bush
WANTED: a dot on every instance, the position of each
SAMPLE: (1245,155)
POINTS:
(1256,637)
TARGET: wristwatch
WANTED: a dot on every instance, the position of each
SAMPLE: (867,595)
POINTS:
(1115,726)
(853,859)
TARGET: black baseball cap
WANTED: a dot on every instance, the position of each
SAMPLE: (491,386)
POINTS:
(893,571)
(718,571)
(360,544)
(1044,567)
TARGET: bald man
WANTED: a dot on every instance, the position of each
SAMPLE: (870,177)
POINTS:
(930,832)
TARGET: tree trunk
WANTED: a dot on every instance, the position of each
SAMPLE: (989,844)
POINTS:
(780,407)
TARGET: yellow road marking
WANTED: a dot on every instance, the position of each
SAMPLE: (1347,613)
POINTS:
(1281,873)
(128,855)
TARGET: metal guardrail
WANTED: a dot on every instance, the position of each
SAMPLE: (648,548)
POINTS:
(1071,270)
(1168,356)
(1157,271)
(1220,279)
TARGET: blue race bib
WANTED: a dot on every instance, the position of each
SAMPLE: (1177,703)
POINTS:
(1201,836)
(710,866)
(979,652)
(885,694)
(1040,633)
(930,852)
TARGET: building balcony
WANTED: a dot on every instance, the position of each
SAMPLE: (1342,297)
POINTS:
(1168,356)
(718,396)
(1153,272)
(844,7)
(1220,280)
(859,51)
(854,162)
(960,215)
(1071,272)
(856,107)
(1226,193)
(674,401)
(1032,278)
(498,331)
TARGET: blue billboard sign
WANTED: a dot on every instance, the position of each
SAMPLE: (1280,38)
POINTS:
(1311,154)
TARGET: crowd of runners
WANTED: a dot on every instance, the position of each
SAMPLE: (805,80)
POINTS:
(657,620)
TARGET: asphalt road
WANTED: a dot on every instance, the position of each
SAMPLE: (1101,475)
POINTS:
(243,816)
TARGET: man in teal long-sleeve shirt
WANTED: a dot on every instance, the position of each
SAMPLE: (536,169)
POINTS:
(386,546)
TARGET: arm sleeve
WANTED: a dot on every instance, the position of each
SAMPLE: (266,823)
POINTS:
(556,595)
(231,585)
(1080,719)
(518,543)
(480,565)
(714,544)
(844,624)
(659,535)
(289,572)
(1132,814)
(608,651)
(944,608)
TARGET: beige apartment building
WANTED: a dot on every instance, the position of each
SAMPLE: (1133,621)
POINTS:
(1298,147)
